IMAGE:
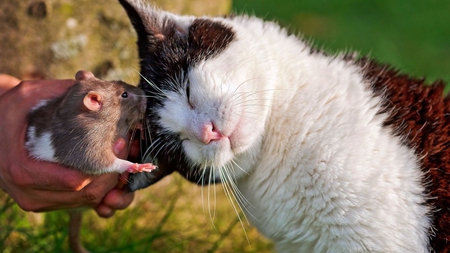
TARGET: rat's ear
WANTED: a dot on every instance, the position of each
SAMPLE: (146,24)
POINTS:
(93,101)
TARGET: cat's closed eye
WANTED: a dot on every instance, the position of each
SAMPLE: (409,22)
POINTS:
(188,94)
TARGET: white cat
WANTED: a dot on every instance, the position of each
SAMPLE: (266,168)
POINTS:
(302,137)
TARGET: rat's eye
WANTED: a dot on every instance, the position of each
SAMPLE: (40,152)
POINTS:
(124,95)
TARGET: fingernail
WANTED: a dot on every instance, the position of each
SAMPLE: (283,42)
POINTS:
(104,211)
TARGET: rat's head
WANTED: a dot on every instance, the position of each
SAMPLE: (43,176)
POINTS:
(132,103)
(207,106)
(115,104)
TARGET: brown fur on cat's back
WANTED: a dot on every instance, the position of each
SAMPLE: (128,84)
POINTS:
(420,114)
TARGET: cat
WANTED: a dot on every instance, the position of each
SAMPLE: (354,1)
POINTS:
(324,153)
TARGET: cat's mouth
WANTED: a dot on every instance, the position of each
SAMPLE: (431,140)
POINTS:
(215,153)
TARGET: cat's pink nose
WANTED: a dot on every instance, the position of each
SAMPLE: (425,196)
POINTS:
(210,133)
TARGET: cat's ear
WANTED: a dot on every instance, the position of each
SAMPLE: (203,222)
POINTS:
(153,26)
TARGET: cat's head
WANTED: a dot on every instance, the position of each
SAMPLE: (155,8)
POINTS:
(207,98)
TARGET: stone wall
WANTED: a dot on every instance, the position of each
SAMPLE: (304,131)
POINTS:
(55,38)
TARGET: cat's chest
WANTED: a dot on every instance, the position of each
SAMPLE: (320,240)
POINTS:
(281,198)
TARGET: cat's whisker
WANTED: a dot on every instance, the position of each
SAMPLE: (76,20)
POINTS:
(148,152)
(159,91)
(146,131)
(213,214)
(174,81)
(240,198)
(239,86)
(254,120)
(126,179)
(130,141)
(243,95)
(253,99)
(239,167)
(154,96)
(151,148)
(257,105)
(246,94)
(227,180)
(202,183)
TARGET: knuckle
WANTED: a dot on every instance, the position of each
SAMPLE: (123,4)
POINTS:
(92,196)
(128,199)
(73,182)
(20,178)
(25,87)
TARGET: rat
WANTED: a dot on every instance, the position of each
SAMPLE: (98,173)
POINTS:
(78,130)
(323,153)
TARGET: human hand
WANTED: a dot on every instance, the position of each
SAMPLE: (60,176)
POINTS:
(7,82)
(41,186)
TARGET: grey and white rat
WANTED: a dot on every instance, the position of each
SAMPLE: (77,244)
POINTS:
(78,129)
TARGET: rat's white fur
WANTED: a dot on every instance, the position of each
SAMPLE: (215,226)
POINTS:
(304,143)
(40,147)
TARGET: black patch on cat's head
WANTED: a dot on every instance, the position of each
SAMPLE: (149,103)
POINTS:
(167,51)
(208,38)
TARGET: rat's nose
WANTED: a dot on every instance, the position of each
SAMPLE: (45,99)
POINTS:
(210,133)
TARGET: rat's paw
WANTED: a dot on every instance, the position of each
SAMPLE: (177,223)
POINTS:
(136,168)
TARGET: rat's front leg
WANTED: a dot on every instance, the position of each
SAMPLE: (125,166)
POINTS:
(121,165)
(137,167)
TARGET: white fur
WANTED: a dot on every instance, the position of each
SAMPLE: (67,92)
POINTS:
(39,105)
(119,166)
(305,144)
(40,147)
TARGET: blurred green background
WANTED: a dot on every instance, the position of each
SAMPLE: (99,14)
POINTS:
(411,35)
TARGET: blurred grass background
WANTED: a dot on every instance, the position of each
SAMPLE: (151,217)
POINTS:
(411,35)
(174,215)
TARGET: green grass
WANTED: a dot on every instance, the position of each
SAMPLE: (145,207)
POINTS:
(171,216)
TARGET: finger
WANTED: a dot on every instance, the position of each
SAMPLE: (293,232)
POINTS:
(123,180)
(114,200)
(35,91)
(95,192)
(118,199)
(91,195)
(84,75)
(134,149)
(104,211)
(48,176)
(119,148)
(43,201)
(7,82)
